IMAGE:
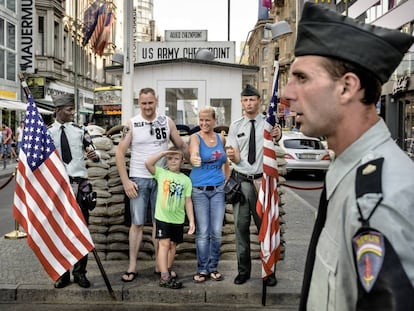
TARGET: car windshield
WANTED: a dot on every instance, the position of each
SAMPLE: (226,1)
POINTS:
(303,144)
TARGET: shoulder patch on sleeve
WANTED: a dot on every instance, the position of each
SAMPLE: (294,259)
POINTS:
(369,251)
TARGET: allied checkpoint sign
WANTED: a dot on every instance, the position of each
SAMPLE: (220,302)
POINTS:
(184,44)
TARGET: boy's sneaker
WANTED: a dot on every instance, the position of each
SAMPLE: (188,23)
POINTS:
(171,283)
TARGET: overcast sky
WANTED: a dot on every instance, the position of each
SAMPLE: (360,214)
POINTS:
(208,14)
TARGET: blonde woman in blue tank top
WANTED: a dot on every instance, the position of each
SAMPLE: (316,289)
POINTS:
(209,172)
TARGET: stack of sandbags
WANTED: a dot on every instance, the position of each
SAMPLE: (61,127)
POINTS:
(97,174)
(107,220)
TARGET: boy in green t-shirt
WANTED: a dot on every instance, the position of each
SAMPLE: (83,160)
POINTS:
(174,194)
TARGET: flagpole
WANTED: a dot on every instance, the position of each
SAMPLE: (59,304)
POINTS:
(274,100)
(275,81)
(103,273)
(16,234)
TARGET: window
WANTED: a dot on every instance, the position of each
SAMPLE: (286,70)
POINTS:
(56,42)
(1,31)
(182,105)
(7,50)
(11,66)
(265,76)
(11,36)
(41,36)
(11,5)
(223,110)
(264,53)
(2,63)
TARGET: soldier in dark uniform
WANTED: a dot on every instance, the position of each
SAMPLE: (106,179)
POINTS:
(361,254)
(72,143)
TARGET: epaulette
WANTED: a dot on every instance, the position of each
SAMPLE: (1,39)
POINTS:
(77,125)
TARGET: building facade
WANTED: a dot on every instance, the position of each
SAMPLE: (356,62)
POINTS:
(397,100)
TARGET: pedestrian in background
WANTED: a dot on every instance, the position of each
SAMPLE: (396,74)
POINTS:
(245,151)
(173,202)
(72,143)
(208,174)
(361,254)
(145,134)
(6,143)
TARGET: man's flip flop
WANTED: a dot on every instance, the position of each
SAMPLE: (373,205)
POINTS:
(128,275)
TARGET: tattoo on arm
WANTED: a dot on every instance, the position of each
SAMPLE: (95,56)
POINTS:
(125,131)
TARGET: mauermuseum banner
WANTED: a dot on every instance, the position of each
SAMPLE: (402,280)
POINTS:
(27,35)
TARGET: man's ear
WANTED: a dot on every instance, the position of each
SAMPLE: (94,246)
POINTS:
(351,85)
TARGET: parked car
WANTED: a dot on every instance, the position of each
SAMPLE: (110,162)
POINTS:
(305,154)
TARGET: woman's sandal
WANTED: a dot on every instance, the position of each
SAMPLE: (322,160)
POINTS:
(216,276)
(199,278)
(173,274)
(126,276)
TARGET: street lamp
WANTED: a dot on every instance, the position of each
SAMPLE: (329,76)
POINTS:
(278,30)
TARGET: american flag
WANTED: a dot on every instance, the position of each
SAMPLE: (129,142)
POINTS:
(100,23)
(90,18)
(44,202)
(267,204)
(105,36)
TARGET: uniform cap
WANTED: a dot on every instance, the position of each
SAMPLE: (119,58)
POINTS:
(324,32)
(250,91)
(62,100)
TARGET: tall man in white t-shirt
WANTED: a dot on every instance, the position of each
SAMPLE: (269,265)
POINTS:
(145,134)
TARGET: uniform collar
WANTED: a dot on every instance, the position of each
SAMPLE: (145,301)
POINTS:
(377,135)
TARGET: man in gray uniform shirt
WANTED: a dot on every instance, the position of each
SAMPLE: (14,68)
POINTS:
(361,254)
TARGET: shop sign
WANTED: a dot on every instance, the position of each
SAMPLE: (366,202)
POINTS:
(36,86)
(107,110)
(401,85)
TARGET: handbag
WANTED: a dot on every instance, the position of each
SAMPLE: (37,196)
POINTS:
(87,197)
(232,190)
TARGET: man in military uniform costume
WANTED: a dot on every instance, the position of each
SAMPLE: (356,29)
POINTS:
(247,163)
(72,143)
(361,253)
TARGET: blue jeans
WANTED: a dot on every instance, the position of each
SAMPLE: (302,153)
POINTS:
(209,209)
(147,194)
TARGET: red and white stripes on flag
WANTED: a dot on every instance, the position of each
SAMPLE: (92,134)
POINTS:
(44,203)
(105,36)
(100,24)
(267,203)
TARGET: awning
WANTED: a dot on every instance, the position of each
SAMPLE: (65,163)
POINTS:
(85,110)
(16,105)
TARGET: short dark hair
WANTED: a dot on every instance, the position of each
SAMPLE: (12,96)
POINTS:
(369,82)
(147,90)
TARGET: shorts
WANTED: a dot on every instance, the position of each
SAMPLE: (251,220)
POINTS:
(165,230)
(147,195)
(5,149)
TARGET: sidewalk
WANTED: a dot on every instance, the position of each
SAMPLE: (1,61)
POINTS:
(23,280)
(10,168)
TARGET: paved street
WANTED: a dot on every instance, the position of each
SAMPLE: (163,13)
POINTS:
(23,282)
